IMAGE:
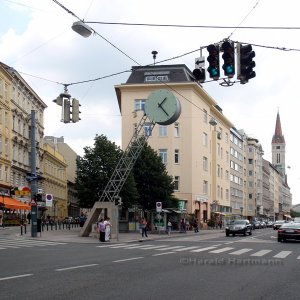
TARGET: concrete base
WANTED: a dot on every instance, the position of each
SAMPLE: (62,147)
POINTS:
(108,209)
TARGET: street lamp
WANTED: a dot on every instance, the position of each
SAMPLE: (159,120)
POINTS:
(82,29)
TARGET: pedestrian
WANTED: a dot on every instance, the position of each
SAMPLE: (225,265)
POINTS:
(195,225)
(169,227)
(143,225)
(29,217)
(82,220)
(182,226)
(101,227)
(220,224)
(107,229)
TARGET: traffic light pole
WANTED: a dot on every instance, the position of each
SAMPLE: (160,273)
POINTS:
(34,209)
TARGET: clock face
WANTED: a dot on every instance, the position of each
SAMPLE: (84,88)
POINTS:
(162,107)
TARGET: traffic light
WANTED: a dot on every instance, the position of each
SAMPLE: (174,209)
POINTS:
(214,61)
(75,110)
(66,111)
(39,197)
(245,63)
(228,57)
(199,72)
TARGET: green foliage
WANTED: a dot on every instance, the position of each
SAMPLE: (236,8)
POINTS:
(94,170)
(294,214)
(152,180)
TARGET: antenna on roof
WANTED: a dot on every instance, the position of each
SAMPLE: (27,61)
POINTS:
(154,53)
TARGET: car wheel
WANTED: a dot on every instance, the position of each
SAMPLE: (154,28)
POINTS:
(278,239)
(245,232)
(227,234)
(233,234)
(250,232)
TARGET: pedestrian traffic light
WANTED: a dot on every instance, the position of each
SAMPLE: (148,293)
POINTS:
(245,63)
(75,110)
(214,61)
(228,57)
(199,72)
(39,197)
(66,111)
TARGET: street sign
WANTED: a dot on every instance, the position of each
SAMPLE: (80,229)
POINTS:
(33,203)
(49,200)
(158,207)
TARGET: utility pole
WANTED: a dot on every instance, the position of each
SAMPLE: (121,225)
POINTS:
(34,208)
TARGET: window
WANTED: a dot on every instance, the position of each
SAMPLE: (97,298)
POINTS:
(6,119)
(1,92)
(163,155)
(176,156)
(6,91)
(162,130)
(176,129)
(205,163)
(139,104)
(176,183)
(218,170)
(205,140)
(147,129)
(204,116)
(205,187)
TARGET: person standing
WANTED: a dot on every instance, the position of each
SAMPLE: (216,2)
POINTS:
(101,227)
(169,227)
(29,217)
(107,229)
(144,227)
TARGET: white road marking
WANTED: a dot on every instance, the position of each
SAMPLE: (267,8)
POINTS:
(153,247)
(186,248)
(127,259)
(204,249)
(111,245)
(261,252)
(170,248)
(14,277)
(221,250)
(162,253)
(122,246)
(137,247)
(76,267)
(241,251)
(282,254)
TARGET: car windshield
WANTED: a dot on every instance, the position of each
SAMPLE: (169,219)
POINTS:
(291,225)
(239,222)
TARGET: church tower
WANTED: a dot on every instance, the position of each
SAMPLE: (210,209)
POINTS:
(278,147)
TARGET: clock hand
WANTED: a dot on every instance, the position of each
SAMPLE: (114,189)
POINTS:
(160,104)
(164,110)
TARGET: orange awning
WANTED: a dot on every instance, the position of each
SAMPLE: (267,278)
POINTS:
(14,204)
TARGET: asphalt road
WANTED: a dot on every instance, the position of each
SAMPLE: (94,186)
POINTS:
(187,267)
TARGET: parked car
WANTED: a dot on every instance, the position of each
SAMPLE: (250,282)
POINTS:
(239,227)
(263,224)
(270,224)
(288,231)
(277,224)
(256,224)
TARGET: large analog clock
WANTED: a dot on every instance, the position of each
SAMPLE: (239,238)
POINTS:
(162,107)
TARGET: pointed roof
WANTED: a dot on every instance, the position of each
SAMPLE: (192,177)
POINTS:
(278,136)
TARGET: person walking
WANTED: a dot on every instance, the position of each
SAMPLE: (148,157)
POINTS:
(169,227)
(101,227)
(144,227)
(107,229)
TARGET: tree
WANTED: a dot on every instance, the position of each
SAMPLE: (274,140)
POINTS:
(152,180)
(94,170)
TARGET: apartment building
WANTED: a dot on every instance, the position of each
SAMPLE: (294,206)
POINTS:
(55,182)
(70,157)
(21,99)
(5,131)
(195,149)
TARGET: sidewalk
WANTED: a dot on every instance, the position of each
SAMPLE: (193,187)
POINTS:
(72,235)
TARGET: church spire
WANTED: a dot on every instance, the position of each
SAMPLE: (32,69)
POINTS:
(278,136)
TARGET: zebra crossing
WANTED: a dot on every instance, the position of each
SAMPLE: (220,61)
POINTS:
(213,249)
(9,243)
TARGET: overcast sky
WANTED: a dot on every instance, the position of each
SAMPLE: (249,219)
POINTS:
(36,39)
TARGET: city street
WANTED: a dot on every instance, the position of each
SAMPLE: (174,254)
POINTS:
(192,266)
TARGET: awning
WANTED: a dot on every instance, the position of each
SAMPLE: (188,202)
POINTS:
(14,204)
(287,216)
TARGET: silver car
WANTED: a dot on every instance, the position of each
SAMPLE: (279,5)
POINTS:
(239,227)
